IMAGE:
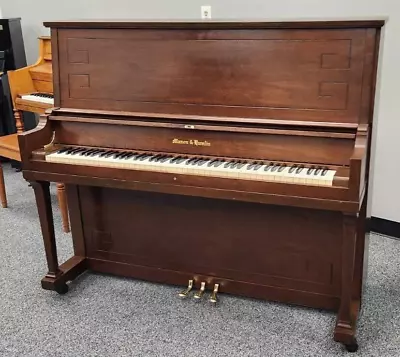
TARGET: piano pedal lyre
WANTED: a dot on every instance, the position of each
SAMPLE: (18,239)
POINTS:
(200,293)
(213,297)
(50,145)
(186,292)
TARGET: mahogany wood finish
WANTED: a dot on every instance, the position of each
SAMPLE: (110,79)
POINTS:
(30,79)
(62,201)
(299,92)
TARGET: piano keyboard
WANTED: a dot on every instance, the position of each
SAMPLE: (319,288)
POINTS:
(39,97)
(200,166)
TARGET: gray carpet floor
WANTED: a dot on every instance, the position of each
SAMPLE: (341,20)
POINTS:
(112,316)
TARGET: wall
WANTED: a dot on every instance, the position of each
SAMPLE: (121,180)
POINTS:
(385,197)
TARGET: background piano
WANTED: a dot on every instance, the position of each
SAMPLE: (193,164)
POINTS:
(12,44)
(32,86)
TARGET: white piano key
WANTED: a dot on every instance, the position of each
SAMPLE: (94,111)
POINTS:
(35,98)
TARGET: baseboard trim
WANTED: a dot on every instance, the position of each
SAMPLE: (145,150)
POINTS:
(383,226)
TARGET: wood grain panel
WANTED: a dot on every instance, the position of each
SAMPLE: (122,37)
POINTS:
(296,74)
(279,254)
(202,142)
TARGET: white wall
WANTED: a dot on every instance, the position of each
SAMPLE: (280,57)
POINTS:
(385,198)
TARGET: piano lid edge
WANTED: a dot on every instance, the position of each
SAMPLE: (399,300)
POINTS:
(202,118)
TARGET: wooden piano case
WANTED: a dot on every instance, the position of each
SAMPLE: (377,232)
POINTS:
(301,245)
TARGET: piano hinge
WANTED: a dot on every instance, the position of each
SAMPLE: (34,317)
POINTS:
(50,145)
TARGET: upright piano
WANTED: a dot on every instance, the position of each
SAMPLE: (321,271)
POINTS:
(32,86)
(12,47)
(228,157)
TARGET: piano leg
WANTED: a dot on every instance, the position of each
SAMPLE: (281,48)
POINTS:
(62,202)
(348,310)
(57,276)
(19,123)
(3,197)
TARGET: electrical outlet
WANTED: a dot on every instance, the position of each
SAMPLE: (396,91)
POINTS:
(206,12)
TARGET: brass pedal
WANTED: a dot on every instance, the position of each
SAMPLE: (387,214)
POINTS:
(200,293)
(186,292)
(213,297)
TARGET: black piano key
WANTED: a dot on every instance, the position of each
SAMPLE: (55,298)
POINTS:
(82,151)
(71,150)
(145,156)
(228,164)
(175,158)
(79,151)
(155,157)
(121,157)
(181,159)
(63,150)
(165,158)
(324,172)
(88,152)
(299,169)
(251,166)
(258,165)
(118,154)
(128,155)
(112,153)
(317,171)
(194,162)
(310,170)
(240,164)
(281,168)
(275,168)
(96,152)
(292,169)
(210,163)
(269,167)
(108,153)
(218,163)
(104,153)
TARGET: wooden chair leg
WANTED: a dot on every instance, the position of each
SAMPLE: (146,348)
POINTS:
(3,197)
(62,201)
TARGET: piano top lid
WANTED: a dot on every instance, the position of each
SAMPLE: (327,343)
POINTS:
(376,22)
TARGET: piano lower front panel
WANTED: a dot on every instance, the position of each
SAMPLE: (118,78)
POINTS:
(274,252)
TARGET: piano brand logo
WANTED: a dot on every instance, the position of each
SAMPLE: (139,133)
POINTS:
(191,142)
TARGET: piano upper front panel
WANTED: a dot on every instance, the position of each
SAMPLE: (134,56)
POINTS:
(313,75)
